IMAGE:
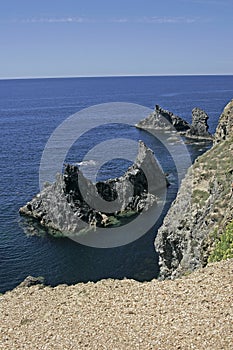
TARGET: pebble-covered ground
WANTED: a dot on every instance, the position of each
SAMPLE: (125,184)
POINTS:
(194,312)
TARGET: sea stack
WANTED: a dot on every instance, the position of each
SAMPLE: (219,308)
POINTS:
(199,127)
(70,203)
(163,119)
(166,120)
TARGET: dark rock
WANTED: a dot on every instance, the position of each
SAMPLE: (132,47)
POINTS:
(165,120)
(32,281)
(199,127)
(74,201)
(162,119)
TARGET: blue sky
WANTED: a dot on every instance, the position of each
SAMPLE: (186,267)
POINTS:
(115,37)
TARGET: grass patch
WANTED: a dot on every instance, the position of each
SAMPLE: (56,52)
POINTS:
(224,246)
(199,196)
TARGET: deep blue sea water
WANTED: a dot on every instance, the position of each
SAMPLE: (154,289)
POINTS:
(30,110)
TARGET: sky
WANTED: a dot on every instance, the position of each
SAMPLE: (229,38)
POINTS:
(40,38)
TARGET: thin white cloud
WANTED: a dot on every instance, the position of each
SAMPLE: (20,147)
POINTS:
(80,20)
(156,20)
(54,20)
(119,20)
(168,20)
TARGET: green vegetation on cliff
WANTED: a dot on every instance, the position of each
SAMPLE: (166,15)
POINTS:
(223,246)
(198,227)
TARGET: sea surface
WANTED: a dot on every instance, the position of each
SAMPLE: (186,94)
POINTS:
(30,110)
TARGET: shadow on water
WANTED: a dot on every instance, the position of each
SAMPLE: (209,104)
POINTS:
(79,263)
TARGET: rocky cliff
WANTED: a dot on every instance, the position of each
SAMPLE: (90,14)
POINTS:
(225,127)
(203,207)
(73,201)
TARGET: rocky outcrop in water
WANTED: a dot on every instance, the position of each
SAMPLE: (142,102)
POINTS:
(32,281)
(162,119)
(199,127)
(202,209)
(74,201)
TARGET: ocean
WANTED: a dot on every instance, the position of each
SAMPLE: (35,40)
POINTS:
(30,110)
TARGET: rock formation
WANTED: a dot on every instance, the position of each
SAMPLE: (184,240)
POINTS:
(225,127)
(199,127)
(32,281)
(203,207)
(73,201)
(162,119)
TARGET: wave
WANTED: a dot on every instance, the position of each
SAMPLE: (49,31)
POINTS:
(86,163)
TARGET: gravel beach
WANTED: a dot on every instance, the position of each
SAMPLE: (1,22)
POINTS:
(193,312)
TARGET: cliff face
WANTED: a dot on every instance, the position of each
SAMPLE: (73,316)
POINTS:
(225,126)
(203,207)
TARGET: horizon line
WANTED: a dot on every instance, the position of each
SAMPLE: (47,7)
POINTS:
(112,76)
